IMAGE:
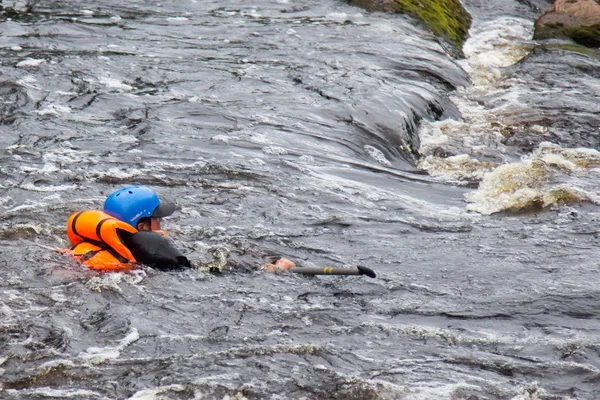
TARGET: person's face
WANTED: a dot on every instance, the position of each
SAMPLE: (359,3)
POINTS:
(154,225)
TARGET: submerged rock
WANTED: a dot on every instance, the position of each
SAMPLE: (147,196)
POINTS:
(447,19)
(578,20)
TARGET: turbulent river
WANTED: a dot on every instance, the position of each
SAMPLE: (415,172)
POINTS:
(323,133)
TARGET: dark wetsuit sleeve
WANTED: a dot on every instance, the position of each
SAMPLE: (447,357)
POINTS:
(154,249)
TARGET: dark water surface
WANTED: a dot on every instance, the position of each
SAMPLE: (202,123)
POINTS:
(292,128)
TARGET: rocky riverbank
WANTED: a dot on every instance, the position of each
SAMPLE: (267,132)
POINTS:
(578,20)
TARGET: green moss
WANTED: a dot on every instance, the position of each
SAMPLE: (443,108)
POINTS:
(588,36)
(445,18)
(594,53)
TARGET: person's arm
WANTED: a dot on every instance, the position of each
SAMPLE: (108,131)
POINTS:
(281,265)
(155,249)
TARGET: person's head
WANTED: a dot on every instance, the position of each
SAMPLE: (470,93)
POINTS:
(139,206)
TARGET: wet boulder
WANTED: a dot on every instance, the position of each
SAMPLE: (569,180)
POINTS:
(447,19)
(578,20)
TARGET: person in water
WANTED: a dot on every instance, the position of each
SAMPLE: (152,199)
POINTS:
(127,232)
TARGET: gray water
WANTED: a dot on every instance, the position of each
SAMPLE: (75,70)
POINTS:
(296,129)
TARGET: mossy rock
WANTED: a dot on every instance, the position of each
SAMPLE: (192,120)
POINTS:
(588,36)
(590,52)
(447,19)
(571,47)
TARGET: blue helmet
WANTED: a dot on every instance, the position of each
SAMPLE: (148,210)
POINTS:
(134,202)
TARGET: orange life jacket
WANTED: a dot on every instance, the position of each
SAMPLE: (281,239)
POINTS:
(96,242)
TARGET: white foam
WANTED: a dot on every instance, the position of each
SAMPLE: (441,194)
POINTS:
(124,139)
(444,392)
(6,201)
(153,394)
(6,312)
(93,355)
(492,45)
(45,392)
(66,156)
(63,93)
(112,281)
(55,188)
(533,392)
(495,44)
(105,282)
(377,155)
(165,165)
(259,138)
(337,15)
(177,19)
(250,13)
(49,168)
(117,173)
(58,297)
(220,138)
(307,160)
(257,162)
(26,80)
(458,167)
(54,109)
(96,355)
(274,150)
(114,84)
(549,175)
(184,337)
(30,62)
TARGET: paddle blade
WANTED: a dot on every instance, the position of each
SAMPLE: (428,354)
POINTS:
(366,271)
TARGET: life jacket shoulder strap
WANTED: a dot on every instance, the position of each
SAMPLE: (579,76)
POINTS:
(100,229)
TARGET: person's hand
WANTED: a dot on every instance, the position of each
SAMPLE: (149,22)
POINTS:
(281,265)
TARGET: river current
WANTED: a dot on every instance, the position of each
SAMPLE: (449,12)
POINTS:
(323,133)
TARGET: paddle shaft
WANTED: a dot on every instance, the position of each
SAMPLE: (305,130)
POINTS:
(332,271)
(324,271)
